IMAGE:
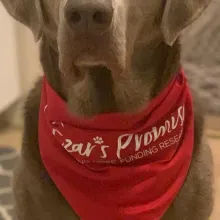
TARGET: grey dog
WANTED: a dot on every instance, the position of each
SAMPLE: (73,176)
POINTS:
(139,38)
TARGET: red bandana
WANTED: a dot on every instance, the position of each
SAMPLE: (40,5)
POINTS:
(119,166)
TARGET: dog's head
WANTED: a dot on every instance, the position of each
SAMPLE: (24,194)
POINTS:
(105,47)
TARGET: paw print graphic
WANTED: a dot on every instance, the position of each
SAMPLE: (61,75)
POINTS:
(98,140)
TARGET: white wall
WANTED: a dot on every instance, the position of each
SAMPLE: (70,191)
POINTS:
(19,60)
(28,56)
(9,70)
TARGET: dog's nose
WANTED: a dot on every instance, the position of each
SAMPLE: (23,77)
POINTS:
(92,17)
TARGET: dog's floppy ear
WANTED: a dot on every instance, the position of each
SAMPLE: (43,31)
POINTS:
(27,12)
(178,14)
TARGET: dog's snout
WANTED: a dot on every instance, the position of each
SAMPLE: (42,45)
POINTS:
(89,17)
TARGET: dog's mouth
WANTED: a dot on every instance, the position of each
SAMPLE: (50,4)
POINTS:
(91,65)
(93,91)
(92,70)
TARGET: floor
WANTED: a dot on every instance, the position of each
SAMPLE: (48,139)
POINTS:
(8,160)
(12,137)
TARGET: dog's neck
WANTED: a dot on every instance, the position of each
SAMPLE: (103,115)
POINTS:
(49,61)
(156,63)
(153,66)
